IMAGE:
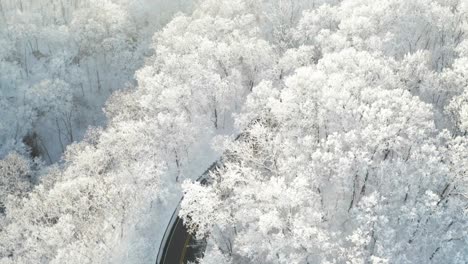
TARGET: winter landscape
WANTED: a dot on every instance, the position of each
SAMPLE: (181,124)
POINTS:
(234,131)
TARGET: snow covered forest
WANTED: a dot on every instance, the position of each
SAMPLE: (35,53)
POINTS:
(342,127)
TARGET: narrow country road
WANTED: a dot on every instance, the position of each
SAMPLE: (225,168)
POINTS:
(180,247)
(177,245)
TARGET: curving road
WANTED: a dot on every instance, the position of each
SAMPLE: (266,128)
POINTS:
(181,247)
(177,245)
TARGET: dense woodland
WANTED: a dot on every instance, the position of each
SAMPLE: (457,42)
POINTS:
(353,117)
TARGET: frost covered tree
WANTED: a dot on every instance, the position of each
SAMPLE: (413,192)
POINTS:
(338,167)
(352,118)
(347,158)
(15,178)
(94,47)
(158,134)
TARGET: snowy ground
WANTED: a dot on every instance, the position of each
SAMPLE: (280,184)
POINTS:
(141,243)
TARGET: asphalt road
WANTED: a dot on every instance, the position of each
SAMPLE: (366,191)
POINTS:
(179,248)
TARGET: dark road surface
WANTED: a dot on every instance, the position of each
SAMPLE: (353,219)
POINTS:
(178,246)
(181,247)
